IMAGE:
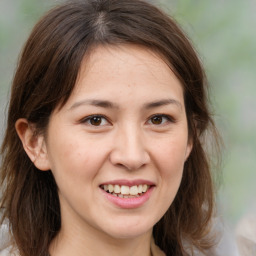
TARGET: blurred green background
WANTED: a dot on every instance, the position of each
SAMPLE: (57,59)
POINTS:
(224,34)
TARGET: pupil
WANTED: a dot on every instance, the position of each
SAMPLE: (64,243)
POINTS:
(96,120)
(157,120)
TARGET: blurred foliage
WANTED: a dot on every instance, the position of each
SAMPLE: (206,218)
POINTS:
(224,34)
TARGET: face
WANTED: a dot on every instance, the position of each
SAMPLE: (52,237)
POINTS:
(118,146)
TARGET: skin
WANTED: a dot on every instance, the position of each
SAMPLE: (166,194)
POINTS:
(127,144)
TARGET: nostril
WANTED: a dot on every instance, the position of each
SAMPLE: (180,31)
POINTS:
(129,151)
(130,163)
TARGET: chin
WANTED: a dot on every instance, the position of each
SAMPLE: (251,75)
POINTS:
(129,230)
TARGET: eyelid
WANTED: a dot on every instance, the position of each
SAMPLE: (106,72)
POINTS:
(169,118)
(86,119)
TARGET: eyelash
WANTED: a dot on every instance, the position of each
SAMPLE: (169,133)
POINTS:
(168,118)
(89,120)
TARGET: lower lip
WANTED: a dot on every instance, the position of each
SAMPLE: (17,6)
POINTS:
(129,203)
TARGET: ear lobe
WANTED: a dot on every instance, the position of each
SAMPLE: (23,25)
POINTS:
(33,144)
(188,149)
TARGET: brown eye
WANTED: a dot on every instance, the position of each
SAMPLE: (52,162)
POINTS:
(157,120)
(161,119)
(95,120)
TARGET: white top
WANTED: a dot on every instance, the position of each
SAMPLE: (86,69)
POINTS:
(246,235)
(5,240)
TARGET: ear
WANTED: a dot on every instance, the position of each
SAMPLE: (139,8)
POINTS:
(33,144)
(189,148)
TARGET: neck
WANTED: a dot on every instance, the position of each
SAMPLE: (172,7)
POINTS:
(73,240)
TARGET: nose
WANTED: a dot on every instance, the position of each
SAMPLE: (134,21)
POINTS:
(129,150)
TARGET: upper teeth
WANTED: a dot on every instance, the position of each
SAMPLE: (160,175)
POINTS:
(126,190)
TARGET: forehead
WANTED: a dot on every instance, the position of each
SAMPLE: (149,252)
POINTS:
(110,71)
(115,59)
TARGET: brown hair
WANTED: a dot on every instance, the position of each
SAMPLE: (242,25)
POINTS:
(45,78)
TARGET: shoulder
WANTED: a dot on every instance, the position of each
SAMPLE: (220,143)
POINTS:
(7,252)
(246,235)
(4,236)
(5,245)
(222,238)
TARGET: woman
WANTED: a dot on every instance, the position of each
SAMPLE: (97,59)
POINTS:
(104,151)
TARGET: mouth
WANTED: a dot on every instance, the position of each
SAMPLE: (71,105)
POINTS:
(124,191)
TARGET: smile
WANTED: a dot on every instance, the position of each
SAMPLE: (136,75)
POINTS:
(124,191)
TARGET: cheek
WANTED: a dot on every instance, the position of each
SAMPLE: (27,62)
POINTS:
(75,159)
(170,154)
(170,158)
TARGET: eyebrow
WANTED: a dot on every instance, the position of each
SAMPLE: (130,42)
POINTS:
(93,102)
(161,103)
(111,105)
